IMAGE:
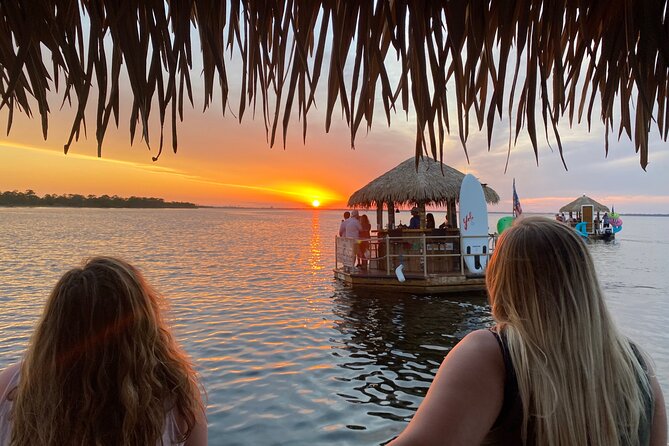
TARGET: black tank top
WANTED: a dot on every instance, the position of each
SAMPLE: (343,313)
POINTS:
(508,426)
(506,431)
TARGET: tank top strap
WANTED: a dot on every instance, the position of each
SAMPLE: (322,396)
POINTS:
(510,380)
(506,430)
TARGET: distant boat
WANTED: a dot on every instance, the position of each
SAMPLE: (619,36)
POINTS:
(591,219)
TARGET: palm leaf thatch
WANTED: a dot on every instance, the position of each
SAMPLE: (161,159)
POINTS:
(432,182)
(565,58)
(575,206)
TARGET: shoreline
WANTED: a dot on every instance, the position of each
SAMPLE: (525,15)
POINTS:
(5,206)
(262,208)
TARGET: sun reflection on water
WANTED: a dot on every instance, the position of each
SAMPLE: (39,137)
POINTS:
(315,243)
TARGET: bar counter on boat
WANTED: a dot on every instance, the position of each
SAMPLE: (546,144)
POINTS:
(424,251)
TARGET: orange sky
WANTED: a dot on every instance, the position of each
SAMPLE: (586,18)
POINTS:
(223,162)
(219,162)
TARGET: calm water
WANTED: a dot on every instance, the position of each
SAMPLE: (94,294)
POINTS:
(288,355)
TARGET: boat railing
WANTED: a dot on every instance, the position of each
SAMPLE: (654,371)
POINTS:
(422,254)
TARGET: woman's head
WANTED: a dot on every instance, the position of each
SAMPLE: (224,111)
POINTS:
(102,311)
(542,276)
(101,352)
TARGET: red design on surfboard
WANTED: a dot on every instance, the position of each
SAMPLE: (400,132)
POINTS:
(465,221)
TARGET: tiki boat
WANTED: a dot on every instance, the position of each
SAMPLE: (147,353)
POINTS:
(591,219)
(450,258)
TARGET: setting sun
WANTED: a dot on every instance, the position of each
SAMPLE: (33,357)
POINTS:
(315,203)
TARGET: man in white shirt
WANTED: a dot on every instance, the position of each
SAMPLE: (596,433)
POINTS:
(342,226)
(352,229)
(353,226)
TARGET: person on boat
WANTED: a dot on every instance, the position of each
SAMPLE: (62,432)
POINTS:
(365,235)
(342,225)
(445,224)
(414,223)
(555,369)
(429,221)
(102,368)
(353,228)
(605,220)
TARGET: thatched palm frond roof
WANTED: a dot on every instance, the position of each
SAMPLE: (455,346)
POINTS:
(406,184)
(575,206)
(498,57)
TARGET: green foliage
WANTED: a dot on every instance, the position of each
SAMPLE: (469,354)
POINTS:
(29,198)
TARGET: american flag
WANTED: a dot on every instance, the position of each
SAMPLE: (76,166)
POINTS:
(517,210)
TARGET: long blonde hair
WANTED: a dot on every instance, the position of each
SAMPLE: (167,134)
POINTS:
(102,368)
(579,379)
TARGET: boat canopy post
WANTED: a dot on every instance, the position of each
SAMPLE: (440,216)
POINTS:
(391,215)
(421,213)
(379,216)
(451,213)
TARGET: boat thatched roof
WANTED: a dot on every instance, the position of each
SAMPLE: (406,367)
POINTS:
(575,206)
(564,58)
(432,182)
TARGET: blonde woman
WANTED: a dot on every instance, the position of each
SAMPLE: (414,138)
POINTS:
(102,368)
(554,371)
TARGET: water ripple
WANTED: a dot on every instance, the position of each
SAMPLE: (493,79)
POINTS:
(287,354)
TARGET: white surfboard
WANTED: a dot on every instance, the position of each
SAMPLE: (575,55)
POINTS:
(473,225)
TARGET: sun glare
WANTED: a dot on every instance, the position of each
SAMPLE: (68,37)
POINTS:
(315,203)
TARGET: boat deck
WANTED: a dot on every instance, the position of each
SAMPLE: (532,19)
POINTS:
(431,264)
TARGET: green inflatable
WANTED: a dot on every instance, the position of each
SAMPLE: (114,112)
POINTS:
(504,223)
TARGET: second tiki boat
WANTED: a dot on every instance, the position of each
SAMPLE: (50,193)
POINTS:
(585,216)
(424,259)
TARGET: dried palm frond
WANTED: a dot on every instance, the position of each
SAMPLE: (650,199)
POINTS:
(562,56)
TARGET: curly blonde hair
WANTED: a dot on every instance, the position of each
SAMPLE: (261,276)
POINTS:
(102,368)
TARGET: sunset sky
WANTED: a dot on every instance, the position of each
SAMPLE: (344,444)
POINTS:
(223,162)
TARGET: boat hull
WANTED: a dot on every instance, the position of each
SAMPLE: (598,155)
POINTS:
(602,236)
(452,283)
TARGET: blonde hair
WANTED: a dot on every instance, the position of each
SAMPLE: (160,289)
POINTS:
(579,379)
(102,367)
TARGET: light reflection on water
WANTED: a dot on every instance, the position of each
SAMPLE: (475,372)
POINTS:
(288,355)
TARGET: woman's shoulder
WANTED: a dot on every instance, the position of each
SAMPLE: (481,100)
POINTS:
(8,377)
(484,341)
(478,354)
(465,397)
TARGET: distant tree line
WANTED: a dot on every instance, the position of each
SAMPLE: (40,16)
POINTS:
(29,198)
